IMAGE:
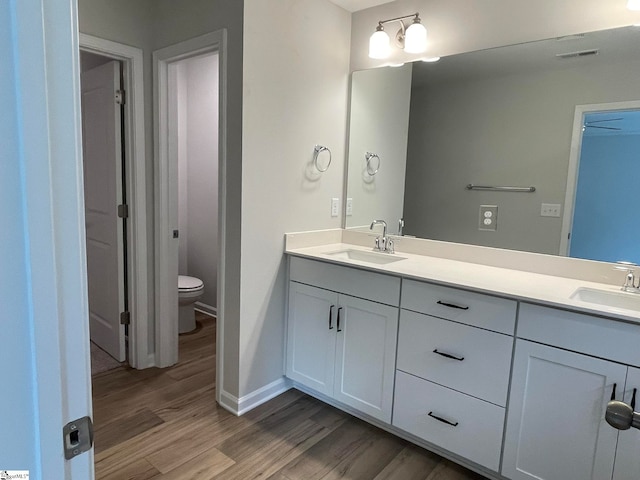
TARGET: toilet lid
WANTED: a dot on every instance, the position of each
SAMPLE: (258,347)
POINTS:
(189,283)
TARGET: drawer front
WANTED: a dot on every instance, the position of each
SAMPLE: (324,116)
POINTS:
(595,336)
(478,433)
(479,310)
(351,281)
(482,359)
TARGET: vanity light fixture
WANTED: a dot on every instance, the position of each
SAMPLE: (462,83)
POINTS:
(413,39)
(633,4)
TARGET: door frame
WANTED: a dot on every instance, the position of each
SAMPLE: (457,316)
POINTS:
(166,328)
(135,188)
(574,162)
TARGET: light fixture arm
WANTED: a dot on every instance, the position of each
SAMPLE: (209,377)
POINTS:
(396,19)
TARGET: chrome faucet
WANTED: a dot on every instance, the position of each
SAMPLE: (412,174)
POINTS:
(383,244)
(630,283)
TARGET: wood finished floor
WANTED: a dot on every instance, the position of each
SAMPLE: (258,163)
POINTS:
(165,424)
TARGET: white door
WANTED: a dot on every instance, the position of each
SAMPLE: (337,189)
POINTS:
(555,426)
(366,356)
(102,152)
(627,464)
(311,339)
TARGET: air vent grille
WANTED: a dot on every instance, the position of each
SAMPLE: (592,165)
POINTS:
(581,53)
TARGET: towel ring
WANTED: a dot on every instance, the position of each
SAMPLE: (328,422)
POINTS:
(368,156)
(318,149)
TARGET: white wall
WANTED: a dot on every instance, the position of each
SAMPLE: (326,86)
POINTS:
(456,26)
(198,171)
(379,123)
(296,69)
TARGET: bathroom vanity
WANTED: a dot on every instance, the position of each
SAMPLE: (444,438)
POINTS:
(504,371)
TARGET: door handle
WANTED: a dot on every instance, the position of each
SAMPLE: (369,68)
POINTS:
(338,322)
(331,316)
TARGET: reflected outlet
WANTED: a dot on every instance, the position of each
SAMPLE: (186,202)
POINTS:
(488,220)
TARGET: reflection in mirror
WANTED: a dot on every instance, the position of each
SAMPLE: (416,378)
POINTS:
(501,117)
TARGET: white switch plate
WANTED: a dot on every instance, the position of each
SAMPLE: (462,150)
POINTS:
(335,207)
(488,220)
(349,207)
(550,210)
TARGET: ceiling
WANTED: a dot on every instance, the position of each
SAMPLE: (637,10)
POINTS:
(356,5)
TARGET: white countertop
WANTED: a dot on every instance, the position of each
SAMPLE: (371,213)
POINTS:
(520,285)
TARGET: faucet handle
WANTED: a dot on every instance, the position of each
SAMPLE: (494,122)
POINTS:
(629,281)
(377,247)
(389,247)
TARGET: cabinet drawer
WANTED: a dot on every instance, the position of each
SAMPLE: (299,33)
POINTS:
(595,336)
(475,309)
(351,281)
(478,433)
(483,371)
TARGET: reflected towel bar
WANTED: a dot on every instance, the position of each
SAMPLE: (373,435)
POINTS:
(471,186)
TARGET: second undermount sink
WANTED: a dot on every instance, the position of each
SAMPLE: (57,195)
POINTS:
(608,298)
(378,258)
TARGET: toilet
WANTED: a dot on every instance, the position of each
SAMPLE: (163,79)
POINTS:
(190,289)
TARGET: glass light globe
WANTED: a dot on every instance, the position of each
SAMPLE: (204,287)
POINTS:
(379,45)
(415,38)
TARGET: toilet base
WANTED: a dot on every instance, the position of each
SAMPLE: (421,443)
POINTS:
(186,318)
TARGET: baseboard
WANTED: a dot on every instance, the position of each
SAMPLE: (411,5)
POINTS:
(240,406)
(204,308)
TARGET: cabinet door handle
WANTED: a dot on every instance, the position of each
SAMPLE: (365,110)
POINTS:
(633,399)
(338,322)
(451,305)
(448,355)
(331,316)
(440,419)
(613,392)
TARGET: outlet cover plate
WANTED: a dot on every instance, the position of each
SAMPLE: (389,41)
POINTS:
(488,220)
(550,210)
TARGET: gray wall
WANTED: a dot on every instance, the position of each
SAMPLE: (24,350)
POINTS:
(512,130)
(198,172)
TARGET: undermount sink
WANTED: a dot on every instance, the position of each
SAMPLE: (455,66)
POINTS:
(362,256)
(628,301)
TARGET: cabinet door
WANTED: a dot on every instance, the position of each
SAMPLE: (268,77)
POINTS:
(555,423)
(366,356)
(311,336)
(627,464)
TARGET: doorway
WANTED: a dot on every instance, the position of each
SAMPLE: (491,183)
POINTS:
(134,167)
(167,63)
(599,217)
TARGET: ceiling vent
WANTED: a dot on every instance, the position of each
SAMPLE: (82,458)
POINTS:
(581,53)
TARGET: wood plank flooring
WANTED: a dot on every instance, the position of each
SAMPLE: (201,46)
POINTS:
(164,424)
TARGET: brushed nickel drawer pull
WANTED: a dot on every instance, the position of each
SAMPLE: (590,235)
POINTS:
(451,305)
(448,355)
(440,419)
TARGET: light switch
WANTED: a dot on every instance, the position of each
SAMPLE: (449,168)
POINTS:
(335,207)
(349,207)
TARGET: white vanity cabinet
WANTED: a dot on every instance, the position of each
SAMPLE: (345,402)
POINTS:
(341,343)
(555,427)
(454,360)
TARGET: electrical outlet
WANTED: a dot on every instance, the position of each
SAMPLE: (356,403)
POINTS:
(349,207)
(335,207)
(550,210)
(488,220)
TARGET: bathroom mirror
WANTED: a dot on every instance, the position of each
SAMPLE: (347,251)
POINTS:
(515,116)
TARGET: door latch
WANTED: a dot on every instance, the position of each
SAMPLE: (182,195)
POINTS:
(77,437)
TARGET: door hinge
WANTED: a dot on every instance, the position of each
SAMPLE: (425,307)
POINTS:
(121,97)
(125,318)
(77,437)
(123,210)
